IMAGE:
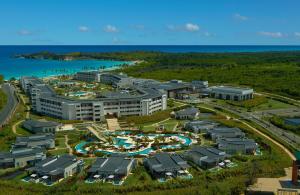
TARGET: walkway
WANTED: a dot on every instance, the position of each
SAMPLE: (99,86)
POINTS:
(113,124)
(14,127)
(67,145)
(96,133)
(27,107)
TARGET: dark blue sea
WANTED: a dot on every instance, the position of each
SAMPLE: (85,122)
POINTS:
(16,67)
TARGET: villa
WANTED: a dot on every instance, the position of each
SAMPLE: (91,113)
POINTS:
(46,141)
(113,169)
(21,157)
(205,157)
(231,93)
(237,145)
(187,114)
(225,132)
(200,126)
(164,165)
(53,169)
(41,126)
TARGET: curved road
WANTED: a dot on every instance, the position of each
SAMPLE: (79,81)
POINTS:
(12,102)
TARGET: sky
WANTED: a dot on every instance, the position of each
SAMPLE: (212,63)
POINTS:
(149,22)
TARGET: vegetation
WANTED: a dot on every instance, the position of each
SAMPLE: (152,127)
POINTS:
(158,116)
(3,99)
(279,122)
(248,104)
(276,72)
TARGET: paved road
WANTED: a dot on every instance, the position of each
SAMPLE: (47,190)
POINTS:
(288,137)
(12,102)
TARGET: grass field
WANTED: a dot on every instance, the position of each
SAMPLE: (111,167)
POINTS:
(269,104)
(3,99)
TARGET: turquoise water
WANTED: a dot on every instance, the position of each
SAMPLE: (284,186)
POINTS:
(16,67)
(122,142)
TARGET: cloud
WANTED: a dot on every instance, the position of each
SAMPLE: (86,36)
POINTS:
(192,27)
(111,29)
(25,32)
(189,27)
(271,34)
(83,29)
(238,16)
(297,34)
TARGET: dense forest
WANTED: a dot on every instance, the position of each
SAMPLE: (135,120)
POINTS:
(275,72)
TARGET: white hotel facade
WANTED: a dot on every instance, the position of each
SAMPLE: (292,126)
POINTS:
(45,101)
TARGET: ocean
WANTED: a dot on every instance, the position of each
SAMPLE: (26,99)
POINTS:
(17,67)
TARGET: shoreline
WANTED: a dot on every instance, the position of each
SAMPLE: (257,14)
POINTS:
(74,71)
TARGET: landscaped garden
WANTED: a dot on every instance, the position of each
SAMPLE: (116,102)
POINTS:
(135,143)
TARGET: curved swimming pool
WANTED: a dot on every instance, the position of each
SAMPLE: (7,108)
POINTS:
(123,142)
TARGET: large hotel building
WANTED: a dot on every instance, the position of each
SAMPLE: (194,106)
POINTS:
(144,100)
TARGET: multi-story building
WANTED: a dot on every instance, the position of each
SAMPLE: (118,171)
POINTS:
(139,101)
(231,93)
(88,76)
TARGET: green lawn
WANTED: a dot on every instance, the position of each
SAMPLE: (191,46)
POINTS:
(270,104)
(58,152)
(61,142)
(3,99)
(273,104)
(20,130)
(169,125)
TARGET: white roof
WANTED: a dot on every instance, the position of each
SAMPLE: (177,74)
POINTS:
(168,173)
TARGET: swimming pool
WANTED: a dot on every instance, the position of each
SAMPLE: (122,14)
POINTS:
(126,142)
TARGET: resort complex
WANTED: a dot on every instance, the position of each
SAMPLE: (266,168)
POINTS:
(96,105)
(145,97)
(106,128)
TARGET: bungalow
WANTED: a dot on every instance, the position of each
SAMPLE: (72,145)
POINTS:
(164,165)
(114,168)
(187,114)
(42,140)
(21,157)
(39,126)
(225,132)
(54,169)
(205,157)
(237,145)
(200,126)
